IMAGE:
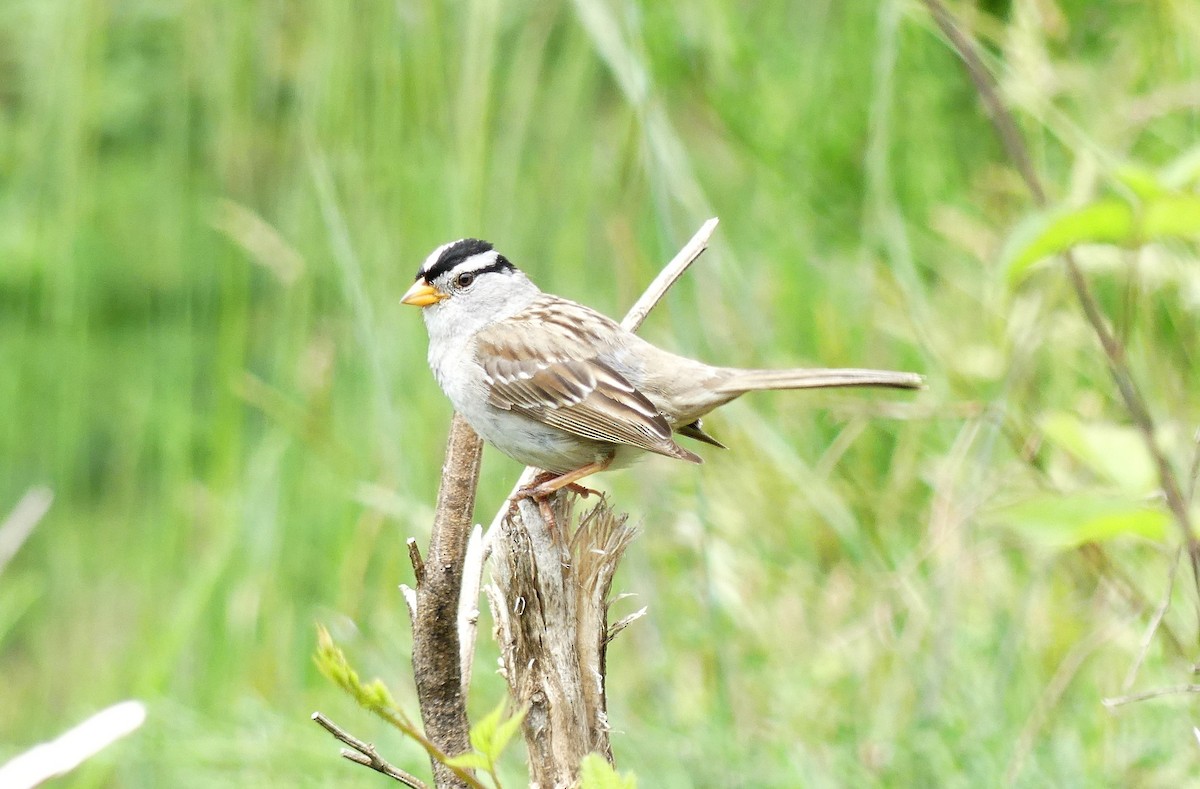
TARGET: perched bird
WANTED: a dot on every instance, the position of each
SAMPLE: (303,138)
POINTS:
(556,385)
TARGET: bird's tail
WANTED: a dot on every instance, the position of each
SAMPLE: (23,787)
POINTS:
(742,381)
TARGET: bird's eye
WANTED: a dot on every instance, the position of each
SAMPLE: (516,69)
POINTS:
(464,280)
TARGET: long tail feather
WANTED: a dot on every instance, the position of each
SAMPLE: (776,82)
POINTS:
(741,381)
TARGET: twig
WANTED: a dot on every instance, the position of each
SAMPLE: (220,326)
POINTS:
(1138,411)
(1002,119)
(1051,695)
(21,521)
(1118,367)
(667,277)
(436,658)
(364,753)
(1152,627)
(374,697)
(624,622)
(418,564)
(1117,701)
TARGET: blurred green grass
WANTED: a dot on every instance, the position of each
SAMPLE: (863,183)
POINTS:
(208,211)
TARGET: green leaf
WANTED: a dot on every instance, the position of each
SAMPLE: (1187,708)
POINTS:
(1109,220)
(506,730)
(1116,453)
(471,760)
(596,773)
(1061,521)
(1140,181)
(372,695)
(492,734)
(483,733)
(1171,215)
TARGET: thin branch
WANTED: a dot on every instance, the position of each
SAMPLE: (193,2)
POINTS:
(375,698)
(1135,404)
(624,622)
(1051,695)
(418,564)
(1002,119)
(667,277)
(1152,627)
(399,720)
(364,753)
(1117,701)
(436,660)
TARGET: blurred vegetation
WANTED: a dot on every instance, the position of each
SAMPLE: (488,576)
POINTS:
(208,212)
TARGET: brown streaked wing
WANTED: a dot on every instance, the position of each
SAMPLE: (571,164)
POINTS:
(566,385)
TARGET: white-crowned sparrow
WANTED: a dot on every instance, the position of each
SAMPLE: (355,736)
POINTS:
(557,385)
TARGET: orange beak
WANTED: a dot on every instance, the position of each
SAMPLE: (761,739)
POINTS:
(422,294)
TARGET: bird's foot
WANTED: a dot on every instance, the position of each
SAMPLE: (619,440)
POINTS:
(543,491)
(540,488)
(547,483)
(539,491)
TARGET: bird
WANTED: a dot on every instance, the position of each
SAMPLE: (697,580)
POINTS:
(559,386)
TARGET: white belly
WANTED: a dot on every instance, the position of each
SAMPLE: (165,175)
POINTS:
(520,437)
(534,444)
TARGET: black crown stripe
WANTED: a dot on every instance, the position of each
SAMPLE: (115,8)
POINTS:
(501,264)
(458,252)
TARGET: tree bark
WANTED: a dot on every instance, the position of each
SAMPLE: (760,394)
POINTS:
(549,600)
(436,664)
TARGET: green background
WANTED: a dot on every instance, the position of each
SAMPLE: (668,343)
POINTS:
(208,212)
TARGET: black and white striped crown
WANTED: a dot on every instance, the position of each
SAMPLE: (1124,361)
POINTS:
(469,254)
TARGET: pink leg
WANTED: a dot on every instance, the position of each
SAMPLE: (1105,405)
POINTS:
(544,488)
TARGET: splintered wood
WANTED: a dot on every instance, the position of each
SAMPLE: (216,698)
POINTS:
(549,599)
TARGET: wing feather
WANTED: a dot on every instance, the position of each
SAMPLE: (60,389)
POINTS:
(568,384)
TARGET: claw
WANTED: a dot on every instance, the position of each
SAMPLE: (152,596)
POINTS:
(545,484)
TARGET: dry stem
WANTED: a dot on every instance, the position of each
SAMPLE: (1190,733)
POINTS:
(1117,701)
(436,662)
(364,753)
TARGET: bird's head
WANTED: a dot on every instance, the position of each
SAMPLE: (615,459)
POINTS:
(468,284)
